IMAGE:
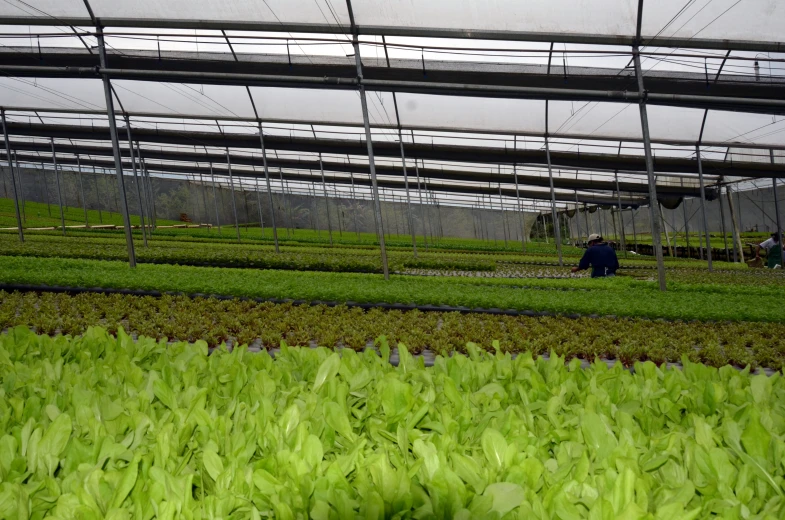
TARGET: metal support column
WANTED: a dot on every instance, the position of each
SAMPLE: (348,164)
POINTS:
(501,207)
(231,187)
(703,206)
(269,189)
(326,202)
(556,226)
(578,221)
(621,215)
(738,250)
(147,190)
(59,190)
(21,188)
(686,223)
(408,198)
(204,199)
(422,214)
(151,198)
(129,239)
(776,199)
(259,204)
(215,200)
(722,227)
(656,237)
(634,231)
(13,182)
(136,180)
(369,143)
(520,212)
(81,190)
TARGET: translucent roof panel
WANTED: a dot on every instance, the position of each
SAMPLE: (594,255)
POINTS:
(757,20)
(623,121)
(44,8)
(339,106)
(273,11)
(49,93)
(450,112)
(537,16)
(179,98)
(734,127)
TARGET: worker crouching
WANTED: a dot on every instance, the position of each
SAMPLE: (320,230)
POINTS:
(600,256)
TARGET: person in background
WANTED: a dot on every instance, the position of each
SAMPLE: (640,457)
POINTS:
(773,247)
(600,256)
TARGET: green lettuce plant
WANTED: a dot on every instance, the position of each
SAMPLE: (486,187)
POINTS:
(105,427)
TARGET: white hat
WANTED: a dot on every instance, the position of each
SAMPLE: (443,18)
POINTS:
(593,237)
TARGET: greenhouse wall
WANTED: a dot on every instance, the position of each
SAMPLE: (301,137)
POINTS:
(196,201)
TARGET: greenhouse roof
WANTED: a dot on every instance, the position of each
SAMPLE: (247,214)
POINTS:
(469,91)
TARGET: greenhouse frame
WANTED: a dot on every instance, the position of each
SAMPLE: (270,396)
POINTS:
(473,100)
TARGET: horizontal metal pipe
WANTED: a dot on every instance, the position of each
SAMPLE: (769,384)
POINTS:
(418,128)
(415,32)
(768,106)
(446,153)
(333,179)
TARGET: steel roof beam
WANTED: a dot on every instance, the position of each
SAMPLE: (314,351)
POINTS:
(414,32)
(450,153)
(335,179)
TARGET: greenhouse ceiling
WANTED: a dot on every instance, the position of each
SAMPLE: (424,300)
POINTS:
(467,90)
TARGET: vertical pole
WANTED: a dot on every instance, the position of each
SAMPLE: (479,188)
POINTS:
(59,190)
(408,198)
(556,226)
(204,200)
(13,183)
(215,200)
(259,205)
(422,214)
(776,200)
(738,251)
(501,207)
(355,207)
(621,215)
(634,231)
(81,190)
(520,212)
(371,164)
(578,220)
(326,202)
(136,180)
(703,206)
(665,229)
(282,204)
(654,209)
(129,239)
(586,214)
(234,203)
(21,188)
(269,189)
(151,199)
(722,227)
(147,191)
(98,196)
(686,222)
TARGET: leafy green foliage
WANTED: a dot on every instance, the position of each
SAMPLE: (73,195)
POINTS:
(622,296)
(105,427)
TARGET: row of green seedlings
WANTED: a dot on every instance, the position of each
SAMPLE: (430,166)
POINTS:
(245,322)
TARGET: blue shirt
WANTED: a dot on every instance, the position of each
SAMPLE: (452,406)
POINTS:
(602,258)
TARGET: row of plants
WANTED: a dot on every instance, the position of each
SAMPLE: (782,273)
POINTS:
(237,255)
(622,296)
(39,214)
(303,257)
(267,325)
(105,427)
